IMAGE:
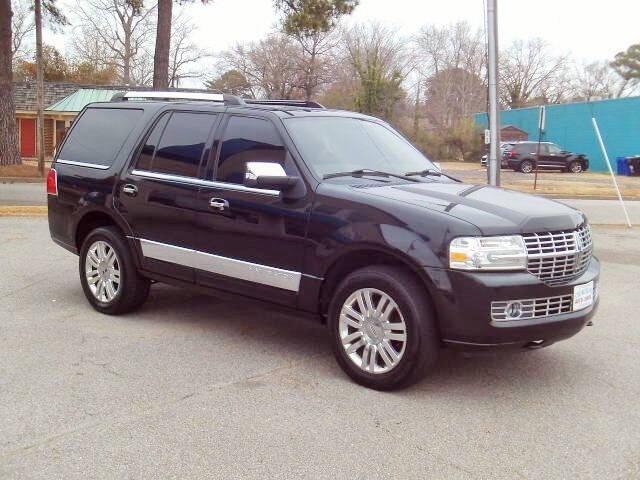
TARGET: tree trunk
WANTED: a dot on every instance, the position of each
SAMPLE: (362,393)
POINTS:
(163,46)
(9,154)
(39,86)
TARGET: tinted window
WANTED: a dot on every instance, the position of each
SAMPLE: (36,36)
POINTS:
(99,135)
(341,144)
(248,140)
(149,148)
(183,138)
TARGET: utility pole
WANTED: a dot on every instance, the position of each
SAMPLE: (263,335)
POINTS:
(494,160)
(39,86)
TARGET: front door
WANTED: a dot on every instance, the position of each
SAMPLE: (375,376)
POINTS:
(251,240)
(157,194)
(27,137)
(555,158)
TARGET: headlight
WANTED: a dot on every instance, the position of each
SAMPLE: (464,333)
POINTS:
(488,253)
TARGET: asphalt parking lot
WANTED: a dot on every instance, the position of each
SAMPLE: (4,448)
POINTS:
(192,386)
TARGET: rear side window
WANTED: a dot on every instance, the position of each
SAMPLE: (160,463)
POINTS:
(99,134)
(245,140)
(177,143)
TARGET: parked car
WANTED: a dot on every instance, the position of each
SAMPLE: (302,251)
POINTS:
(503,147)
(326,214)
(521,157)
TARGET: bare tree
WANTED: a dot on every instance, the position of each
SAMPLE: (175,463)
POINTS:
(379,60)
(22,26)
(115,33)
(270,66)
(185,54)
(530,74)
(9,154)
(598,80)
(451,60)
(315,60)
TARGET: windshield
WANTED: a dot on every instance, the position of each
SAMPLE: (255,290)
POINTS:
(338,144)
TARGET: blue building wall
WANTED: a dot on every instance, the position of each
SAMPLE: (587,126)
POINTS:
(569,125)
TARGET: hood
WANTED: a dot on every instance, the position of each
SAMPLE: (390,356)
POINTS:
(493,210)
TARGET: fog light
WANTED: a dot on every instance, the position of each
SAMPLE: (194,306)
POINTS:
(513,310)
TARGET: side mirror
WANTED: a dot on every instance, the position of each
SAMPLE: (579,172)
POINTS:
(268,175)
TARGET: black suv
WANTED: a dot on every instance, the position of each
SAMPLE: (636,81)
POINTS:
(330,214)
(521,157)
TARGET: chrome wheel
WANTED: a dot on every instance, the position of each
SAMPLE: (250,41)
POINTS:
(372,330)
(526,167)
(102,270)
(576,167)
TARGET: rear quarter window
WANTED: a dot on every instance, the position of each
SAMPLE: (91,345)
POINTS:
(98,135)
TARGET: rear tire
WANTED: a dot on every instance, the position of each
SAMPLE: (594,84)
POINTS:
(526,166)
(393,342)
(108,274)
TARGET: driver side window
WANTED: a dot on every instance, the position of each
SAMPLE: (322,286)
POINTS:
(247,139)
(554,149)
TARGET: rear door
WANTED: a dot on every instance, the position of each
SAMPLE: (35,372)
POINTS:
(252,241)
(157,194)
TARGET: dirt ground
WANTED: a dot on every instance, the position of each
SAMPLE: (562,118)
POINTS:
(588,184)
(26,170)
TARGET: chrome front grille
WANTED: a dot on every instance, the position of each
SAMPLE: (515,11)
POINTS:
(504,311)
(559,257)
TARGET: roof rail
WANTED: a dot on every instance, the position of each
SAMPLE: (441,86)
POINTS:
(207,97)
(177,95)
(290,103)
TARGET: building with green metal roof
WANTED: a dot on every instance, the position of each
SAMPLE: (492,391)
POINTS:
(63,101)
(80,99)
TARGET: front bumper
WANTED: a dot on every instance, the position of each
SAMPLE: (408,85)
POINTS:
(463,304)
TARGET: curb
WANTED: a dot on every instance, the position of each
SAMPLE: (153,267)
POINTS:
(23,211)
(22,180)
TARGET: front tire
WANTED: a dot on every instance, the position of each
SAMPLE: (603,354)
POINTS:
(383,328)
(576,167)
(108,274)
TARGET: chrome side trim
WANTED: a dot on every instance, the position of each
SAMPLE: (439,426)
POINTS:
(230,267)
(83,164)
(203,183)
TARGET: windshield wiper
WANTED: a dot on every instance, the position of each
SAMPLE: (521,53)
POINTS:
(365,171)
(428,172)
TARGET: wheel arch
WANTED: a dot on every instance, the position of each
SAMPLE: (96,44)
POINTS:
(365,256)
(92,219)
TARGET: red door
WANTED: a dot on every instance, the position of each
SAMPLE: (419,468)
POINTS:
(27,137)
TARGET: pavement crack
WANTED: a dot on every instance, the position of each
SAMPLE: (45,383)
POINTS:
(151,408)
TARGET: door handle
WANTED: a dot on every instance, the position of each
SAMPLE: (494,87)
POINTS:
(130,190)
(219,204)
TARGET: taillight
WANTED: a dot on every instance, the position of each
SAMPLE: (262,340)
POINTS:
(513,154)
(52,182)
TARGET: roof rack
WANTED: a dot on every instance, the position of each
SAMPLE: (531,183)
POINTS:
(207,97)
(290,103)
(174,95)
